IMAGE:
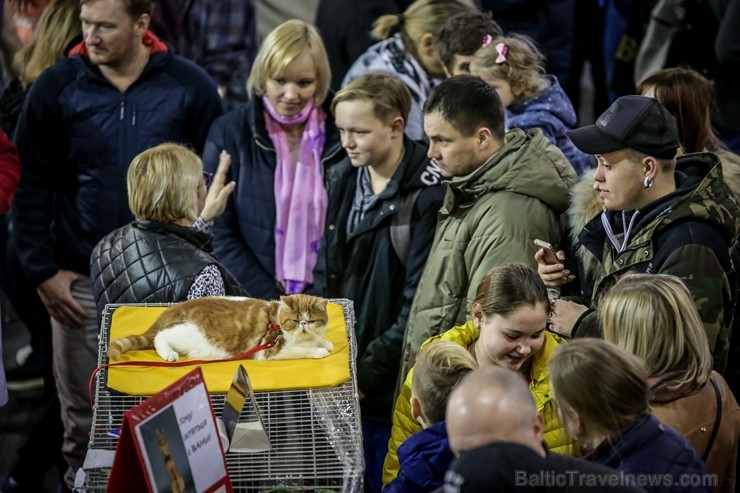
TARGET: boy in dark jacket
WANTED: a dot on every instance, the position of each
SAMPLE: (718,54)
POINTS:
(383,202)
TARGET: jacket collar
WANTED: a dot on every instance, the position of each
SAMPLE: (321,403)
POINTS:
(159,53)
(625,442)
(526,164)
(197,238)
(149,39)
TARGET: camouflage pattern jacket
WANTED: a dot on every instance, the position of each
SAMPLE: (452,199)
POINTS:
(687,233)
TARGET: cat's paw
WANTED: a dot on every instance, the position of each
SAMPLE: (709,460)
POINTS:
(170,356)
(327,345)
(320,353)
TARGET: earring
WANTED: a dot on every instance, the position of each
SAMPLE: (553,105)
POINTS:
(647,182)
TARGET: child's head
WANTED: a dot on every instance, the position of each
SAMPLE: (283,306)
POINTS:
(461,37)
(370,114)
(513,65)
(510,309)
(599,388)
(655,318)
(439,367)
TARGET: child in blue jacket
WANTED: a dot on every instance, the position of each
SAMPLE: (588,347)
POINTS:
(514,67)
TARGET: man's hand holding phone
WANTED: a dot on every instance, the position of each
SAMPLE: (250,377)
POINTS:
(551,265)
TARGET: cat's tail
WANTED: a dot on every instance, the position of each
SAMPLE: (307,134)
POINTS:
(130,343)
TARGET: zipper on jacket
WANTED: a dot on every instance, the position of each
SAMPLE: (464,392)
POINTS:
(123,108)
(133,115)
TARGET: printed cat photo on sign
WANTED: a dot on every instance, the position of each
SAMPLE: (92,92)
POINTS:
(223,327)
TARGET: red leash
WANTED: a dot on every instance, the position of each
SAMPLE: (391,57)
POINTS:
(244,355)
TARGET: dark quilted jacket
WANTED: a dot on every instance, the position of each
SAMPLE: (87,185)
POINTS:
(652,448)
(147,261)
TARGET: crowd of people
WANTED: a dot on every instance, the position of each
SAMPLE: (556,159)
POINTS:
(412,178)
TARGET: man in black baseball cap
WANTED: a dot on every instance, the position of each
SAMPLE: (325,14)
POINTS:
(661,214)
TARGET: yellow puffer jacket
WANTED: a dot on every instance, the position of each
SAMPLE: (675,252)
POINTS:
(556,438)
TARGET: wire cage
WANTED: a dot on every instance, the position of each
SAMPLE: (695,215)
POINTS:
(315,435)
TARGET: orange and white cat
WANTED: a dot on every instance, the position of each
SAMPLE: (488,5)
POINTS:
(223,327)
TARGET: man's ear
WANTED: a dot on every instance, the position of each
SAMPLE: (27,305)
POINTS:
(651,166)
(141,25)
(484,137)
(538,426)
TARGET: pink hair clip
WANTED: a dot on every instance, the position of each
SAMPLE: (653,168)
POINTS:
(502,50)
(487,38)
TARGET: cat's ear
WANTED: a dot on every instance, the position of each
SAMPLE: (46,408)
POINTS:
(322,303)
(285,300)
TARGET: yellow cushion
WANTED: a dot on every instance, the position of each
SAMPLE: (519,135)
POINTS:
(264,375)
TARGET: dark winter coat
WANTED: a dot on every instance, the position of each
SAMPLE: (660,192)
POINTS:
(365,267)
(424,458)
(76,138)
(148,261)
(244,235)
(652,448)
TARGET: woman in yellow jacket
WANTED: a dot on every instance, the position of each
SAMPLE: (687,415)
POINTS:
(509,316)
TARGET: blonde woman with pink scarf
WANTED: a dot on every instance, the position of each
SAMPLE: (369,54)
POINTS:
(281,142)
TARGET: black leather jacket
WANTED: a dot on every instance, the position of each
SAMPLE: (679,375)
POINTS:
(147,261)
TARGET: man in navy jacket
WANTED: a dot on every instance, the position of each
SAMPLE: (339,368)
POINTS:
(118,92)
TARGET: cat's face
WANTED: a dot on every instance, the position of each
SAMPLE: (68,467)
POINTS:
(303,317)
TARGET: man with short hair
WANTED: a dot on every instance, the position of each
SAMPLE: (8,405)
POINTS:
(115,94)
(462,35)
(492,419)
(645,211)
(504,190)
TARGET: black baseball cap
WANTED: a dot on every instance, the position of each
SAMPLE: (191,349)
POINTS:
(638,122)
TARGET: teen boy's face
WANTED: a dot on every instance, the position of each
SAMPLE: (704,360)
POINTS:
(367,139)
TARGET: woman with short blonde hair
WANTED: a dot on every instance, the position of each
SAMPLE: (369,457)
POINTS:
(654,317)
(163,184)
(164,255)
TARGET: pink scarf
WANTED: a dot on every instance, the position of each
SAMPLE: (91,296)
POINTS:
(300,196)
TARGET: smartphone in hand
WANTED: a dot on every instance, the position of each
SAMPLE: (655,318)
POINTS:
(550,256)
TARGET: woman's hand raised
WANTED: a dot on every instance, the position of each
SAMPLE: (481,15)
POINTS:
(218,193)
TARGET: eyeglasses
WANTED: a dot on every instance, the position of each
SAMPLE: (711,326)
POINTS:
(208,178)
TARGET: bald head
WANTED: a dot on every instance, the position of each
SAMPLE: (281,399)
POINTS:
(493,404)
